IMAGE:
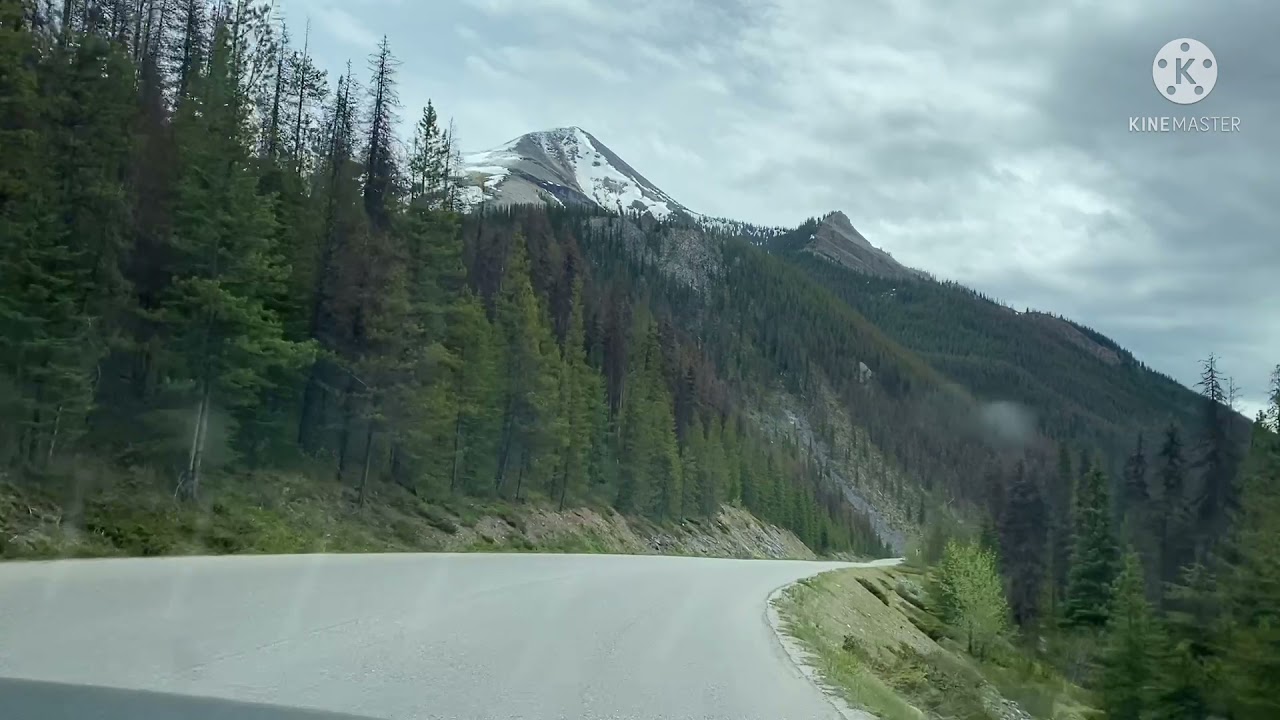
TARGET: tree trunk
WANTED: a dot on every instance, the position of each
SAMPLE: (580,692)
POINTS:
(307,417)
(564,476)
(348,410)
(53,439)
(66,22)
(457,442)
(302,94)
(504,451)
(393,461)
(520,477)
(368,455)
(33,433)
(189,486)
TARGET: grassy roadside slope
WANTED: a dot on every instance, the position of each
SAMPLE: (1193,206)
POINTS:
(868,636)
(90,512)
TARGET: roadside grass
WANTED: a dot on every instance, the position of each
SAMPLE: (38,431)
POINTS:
(872,640)
(85,508)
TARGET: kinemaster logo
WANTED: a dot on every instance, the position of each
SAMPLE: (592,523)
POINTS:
(1184,71)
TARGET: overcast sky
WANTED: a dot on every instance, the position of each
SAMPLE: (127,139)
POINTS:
(989,146)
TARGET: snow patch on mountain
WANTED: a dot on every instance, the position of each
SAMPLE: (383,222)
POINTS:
(565,165)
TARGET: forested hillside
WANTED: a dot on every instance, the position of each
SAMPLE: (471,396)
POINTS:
(1086,390)
(1125,526)
(217,260)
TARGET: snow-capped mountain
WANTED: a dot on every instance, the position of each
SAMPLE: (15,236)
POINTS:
(565,165)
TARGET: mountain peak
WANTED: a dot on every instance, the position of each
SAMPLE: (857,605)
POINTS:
(564,165)
(837,240)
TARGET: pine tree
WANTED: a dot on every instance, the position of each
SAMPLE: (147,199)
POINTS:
(427,160)
(1172,520)
(713,491)
(1135,505)
(528,373)
(381,174)
(649,480)
(272,107)
(1252,584)
(186,54)
(220,329)
(340,225)
(307,86)
(579,389)
(1094,557)
(1126,663)
(693,466)
(1023,544)
(1215,460)
(1182,682)
(734,460)
(28,254)
(474,391)
(1061,498)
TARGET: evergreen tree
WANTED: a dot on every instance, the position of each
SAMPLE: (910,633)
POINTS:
(381,173)
(693,466)
(1134,493)
(649,461)
(65,204)
(1061,500)
(1135,507)
(221,333)
(579,390)
(1023,544)
(1216,460)
(1182,684)
(1172,516)
(715,473)
(475,392)
(528,374)
(1094,557)
(307,86)
(428,159)
(1126,657)
(341,223)
(187,55)
(1252,587)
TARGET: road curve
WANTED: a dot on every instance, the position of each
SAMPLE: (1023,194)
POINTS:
(419,635)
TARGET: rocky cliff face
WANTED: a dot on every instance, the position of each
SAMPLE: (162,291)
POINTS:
(838,241)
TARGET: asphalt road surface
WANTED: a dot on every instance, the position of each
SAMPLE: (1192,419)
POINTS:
(417,636)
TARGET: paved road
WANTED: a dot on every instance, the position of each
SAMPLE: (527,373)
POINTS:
(418,636)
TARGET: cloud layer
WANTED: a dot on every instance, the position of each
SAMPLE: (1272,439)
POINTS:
(989,145)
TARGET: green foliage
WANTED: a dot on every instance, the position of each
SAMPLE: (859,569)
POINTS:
(1095,556)
(1125,665)
(1037,359)
(1252,584)
(1023,540)
(970,595)
(528,378)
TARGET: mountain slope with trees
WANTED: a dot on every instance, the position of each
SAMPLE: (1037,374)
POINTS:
(218,261)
